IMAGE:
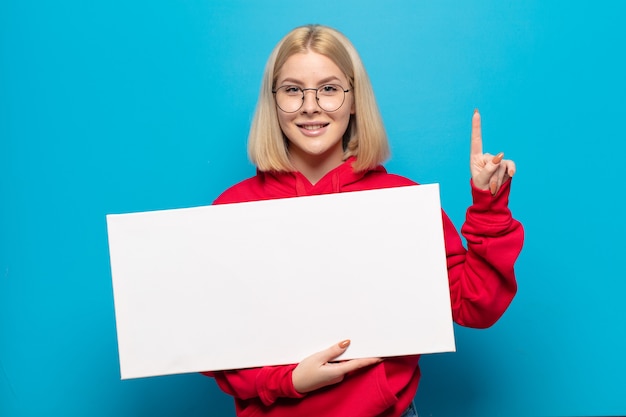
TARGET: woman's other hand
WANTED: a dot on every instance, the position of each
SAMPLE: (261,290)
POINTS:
(489,172)
(319,370)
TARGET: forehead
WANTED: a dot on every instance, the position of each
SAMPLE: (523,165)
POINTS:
(309,67)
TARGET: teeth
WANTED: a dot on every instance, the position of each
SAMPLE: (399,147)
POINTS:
(312,127)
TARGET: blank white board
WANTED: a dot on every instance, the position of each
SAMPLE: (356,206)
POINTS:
(271,282)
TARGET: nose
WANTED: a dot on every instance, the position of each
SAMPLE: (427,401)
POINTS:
(310,101)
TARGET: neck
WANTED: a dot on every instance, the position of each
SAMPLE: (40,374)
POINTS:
(315,167)
(316,173)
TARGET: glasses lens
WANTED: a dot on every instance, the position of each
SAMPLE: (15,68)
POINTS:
(290,98)
(330,97)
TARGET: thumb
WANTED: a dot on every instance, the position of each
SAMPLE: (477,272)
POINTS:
(490,167)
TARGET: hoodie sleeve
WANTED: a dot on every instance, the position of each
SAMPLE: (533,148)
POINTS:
(267,384)
(482,278)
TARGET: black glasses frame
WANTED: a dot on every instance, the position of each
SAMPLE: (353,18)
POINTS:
(317,99)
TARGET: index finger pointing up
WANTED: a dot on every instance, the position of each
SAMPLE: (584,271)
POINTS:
(477,140)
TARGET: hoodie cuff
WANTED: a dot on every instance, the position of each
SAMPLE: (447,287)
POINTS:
(275,382)
(488,213)
(483,200)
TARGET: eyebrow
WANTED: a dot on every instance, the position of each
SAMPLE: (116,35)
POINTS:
(321,82)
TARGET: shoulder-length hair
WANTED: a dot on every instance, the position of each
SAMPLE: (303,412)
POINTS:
(365,136)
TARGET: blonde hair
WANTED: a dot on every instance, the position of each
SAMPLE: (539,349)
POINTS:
(365,136)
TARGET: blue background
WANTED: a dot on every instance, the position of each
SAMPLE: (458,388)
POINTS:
(116,106)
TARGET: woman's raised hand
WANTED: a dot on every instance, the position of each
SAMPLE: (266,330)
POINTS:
(318,370)
(489,172)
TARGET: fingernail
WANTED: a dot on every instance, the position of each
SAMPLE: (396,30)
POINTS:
(511,173)
(493,187)
(344,344)
(496,159)
(476,110)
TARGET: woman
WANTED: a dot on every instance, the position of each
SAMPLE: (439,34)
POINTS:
(317,130)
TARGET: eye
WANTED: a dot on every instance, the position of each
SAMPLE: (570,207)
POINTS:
(292,90)
(329,89)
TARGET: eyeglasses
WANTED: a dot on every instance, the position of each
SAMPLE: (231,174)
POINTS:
(290,98)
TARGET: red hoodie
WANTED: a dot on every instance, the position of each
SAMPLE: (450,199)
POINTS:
(482,285)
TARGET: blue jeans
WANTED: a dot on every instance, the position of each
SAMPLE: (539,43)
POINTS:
(410,411)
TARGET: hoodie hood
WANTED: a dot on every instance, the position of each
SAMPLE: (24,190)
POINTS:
(294,184)
(268,185)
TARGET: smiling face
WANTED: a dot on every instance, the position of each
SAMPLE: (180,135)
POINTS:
(315,136)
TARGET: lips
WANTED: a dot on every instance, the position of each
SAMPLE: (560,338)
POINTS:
(311,126)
